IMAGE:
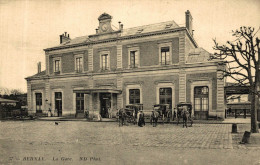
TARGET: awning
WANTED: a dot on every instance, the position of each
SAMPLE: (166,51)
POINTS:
(97,90)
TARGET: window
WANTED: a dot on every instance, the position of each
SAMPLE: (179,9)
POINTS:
(165,56)
(165,96)
(38,97)
(104,62)
(134,96)
(133,59)
(201,98)
(165,53)
(57,65)
(79,64)
(80,102)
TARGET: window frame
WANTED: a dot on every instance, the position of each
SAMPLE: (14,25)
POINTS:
(135,97)
(137,57)
(54,65)
(164,45)
(165,85)
(203,101)
(103,53)
(81,99)
(133,86)
(75,62)
(207,83)
(165,96)
(37,101)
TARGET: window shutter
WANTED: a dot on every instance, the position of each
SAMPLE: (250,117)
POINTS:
(137,58)
(108,61)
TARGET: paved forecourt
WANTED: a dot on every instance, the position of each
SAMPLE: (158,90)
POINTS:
(109,133)
(106,142)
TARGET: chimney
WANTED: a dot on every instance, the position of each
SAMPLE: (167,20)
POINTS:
(64,37)
(189,22)
(39,67)
(121,26)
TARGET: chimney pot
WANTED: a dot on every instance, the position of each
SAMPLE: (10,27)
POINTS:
(121,26)
(65,34)
(188,20)
(61,39)
(39,67)
(68,35)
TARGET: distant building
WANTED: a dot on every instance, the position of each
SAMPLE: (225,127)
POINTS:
(8,102)
(151,64)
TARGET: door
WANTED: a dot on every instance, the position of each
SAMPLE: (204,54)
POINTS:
(38,97)
(105,103)
(58,103)
(79,103)
(201,102)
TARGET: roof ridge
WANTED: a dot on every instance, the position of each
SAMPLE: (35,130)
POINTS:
(136,27)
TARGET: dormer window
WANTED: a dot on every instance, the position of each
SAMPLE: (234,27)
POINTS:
(168,26)
(139,31)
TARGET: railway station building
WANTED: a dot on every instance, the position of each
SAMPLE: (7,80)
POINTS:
(152,64)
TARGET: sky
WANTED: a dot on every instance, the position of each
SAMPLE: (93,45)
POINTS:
(27,27)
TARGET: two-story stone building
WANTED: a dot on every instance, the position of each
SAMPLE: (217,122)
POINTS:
(151,64)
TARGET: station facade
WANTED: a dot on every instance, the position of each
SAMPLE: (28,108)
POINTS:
(151,64)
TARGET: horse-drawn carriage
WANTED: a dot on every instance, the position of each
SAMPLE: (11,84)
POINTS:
(164,110)
(129,113)
(184,111)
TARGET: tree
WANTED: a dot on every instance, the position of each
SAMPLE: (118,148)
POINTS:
(16,92)
(241,58)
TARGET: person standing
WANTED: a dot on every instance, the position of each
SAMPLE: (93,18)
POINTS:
(141,121)
(109,113)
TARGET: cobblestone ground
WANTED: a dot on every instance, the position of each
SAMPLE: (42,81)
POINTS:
(117,145)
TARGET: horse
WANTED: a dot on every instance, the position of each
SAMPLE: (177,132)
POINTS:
(154,118)
(185,115)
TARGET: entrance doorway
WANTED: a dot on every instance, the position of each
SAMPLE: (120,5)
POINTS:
(58,103)
(79,103)
(105,104)
(201,102)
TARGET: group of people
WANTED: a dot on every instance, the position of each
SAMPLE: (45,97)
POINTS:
(139,118)
(182,112)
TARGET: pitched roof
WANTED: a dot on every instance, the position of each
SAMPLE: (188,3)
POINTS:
(198,55)
(127,32)
(43,73)
(150,28)
(2,100)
